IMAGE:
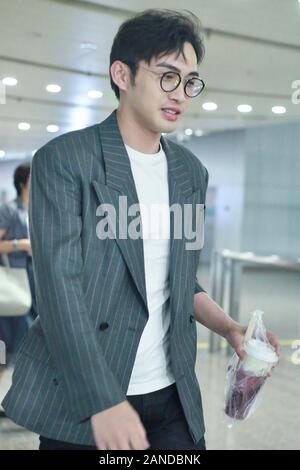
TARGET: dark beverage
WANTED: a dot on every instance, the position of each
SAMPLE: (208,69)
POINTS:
(242,393)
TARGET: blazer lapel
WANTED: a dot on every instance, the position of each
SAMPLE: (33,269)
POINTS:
(120,182)
(180,188)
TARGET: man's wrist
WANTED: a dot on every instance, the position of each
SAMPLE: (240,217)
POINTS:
(235,327)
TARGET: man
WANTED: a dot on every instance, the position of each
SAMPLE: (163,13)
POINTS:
(110,362)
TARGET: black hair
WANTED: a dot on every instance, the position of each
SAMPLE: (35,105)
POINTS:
(154,33)
(21,176)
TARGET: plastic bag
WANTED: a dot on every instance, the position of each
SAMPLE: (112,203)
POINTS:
(245,379)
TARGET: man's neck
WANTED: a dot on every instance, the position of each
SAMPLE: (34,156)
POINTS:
(135,136)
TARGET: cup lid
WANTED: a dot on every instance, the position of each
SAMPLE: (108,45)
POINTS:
(261,351)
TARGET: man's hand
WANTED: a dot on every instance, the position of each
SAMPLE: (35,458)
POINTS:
(24,245)
(119,428)
(235,338)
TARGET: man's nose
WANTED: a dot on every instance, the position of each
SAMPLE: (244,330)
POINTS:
(178,94)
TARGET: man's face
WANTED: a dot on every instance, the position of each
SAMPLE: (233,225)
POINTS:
(152,107)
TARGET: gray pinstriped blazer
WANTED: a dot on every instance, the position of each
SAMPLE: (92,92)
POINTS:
(78,356)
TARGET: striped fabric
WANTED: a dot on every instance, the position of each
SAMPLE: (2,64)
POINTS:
(91,297)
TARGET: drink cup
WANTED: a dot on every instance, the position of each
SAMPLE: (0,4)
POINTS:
(259,359)
(249,378)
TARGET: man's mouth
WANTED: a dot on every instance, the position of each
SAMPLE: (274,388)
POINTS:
(171,113)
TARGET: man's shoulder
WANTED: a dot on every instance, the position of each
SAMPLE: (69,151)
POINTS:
(83,140)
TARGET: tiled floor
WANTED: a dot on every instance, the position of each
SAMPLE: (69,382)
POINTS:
(276,423)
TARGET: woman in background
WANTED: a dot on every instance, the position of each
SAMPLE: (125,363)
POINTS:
(15,243)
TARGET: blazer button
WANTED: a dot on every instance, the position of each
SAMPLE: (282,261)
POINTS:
(103,326)
(55,381)
(192,318)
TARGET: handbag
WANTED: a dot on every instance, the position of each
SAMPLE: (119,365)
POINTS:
(15,294)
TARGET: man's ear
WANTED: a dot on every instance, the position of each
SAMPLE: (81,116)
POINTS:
(120,74)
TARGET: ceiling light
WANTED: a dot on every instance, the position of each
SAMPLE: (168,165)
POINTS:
(52,88)
(88,45)
(9,81)
(24,126)
(209,106)
(95,94)
(52,128)
(188,132)
(279,109)
(274,257)
(244,108)
(198,132)
(2,153)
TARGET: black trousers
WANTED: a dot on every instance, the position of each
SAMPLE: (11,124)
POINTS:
(163,418)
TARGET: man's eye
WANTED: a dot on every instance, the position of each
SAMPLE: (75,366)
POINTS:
(191,82)
(169,76)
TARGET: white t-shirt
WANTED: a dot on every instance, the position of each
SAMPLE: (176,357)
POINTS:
(152,369)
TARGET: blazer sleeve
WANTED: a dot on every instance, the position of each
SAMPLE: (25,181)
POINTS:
(198,287)
(55,231)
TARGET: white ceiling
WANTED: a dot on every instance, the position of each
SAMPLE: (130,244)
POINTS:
(252,56)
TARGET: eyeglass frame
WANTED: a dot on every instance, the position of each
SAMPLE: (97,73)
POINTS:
(178,75)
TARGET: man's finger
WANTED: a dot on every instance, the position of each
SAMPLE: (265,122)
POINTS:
(123,444)
(137,442)
(141,433)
